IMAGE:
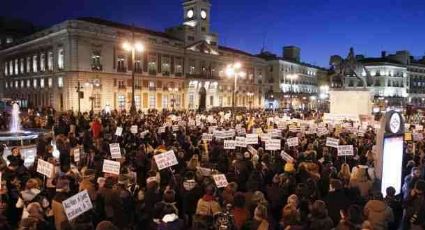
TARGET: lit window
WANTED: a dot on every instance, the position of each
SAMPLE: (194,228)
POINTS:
(42,83)
(34,64)
(97,102)
(22,84)
(6,85)
(60,58)
(5,69)
(34,83)
(50,60)
(16,67)
(42,62)
(9,40)
(50,82)
(165,102)
(22,66)
(60,82)
(121,102)
(152,101)
(28,83)
(151,84)
(28,64)
(95,61)
(137,101)
(16,84)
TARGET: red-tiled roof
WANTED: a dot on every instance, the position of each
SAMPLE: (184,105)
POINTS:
(126,27)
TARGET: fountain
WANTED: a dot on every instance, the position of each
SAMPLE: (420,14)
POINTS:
(25,139)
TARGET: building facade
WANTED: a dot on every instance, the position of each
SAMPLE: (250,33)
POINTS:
(81,65)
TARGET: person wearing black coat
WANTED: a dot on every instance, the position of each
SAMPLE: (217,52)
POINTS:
(336,201)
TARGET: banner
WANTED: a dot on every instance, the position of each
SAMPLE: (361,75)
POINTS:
(133,129)
(345,150)
(77,205)
(112,167)
(229,144)
(166,159)
(292,141)
(273,144)
(220,180)
(332,142)
(286,157)
(115,150)
(207,137)
(240,142)
(45,168)
(251,139)
(118,132)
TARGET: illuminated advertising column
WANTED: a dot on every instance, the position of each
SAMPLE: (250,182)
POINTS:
(390,151)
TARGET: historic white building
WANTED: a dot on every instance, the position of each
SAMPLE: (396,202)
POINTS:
(183,67)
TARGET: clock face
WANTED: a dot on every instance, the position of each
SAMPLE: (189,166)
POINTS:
(189,14)
(203,14)
(395,123)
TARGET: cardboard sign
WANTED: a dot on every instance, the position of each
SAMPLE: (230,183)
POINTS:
(240,142)
(207,137)
(166,159)
(45,168)
(220,180)
(229,144)
(286,157)
(76,152)
(251,139)
(133,129)
(115,150)
(345,150)
(252,150)
(273,144)
(332,142)
(118,132)
(112,167)
(77,205)
(292,141)
(418,136)
(161,130)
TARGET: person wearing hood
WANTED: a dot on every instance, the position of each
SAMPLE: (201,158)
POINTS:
(31,194)
(319,219)
(378,213)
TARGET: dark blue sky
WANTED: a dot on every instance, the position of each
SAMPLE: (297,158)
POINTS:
(319,27)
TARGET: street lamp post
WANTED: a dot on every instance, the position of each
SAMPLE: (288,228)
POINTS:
(133,47)
(78,90)
(233,70)
(250,95)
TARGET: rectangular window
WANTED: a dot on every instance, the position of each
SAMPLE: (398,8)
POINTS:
(151,85)
(34,64)
(60,82)
(152,64)
(191,101)
(121,64)
(138,66)
(28,83)
(121,102)
(95,61)
(138,102)
(22,84)
(60,58)
(34,83)
(22,66)
(50,82)
(50,61)
(97,102)
(28,64)
(152,101)
(16,67)
(211,100)
(42,62)
(16,84)
(5,69)
(42,83)
(165,102)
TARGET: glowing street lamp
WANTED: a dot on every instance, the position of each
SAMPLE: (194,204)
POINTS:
(133,48)
(233,70)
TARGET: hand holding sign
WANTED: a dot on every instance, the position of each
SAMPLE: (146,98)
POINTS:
(165,160)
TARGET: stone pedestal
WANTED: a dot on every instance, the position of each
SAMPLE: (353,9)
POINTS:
(350,101)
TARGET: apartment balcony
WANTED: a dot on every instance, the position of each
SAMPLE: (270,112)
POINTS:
(122,70)
(97,68)
(121,87)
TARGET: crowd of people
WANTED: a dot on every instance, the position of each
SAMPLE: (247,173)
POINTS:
(315,190)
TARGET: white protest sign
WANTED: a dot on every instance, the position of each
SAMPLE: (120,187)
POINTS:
(229,133)
(252,150)
(204,171)
(219,134)
(112,167)
(276,133)
(418,136)
(345,150)
(286,157)
(292,141)
(45,168)
(419,127)
(240,142)
(322,131)
(229,144)
(332,142)
(115,150)
(133,129)
(76,152)
(273,144)
(161,130)
(77,205)
(166,159)
(207,137)
(175,128)
(220,180)
(251,139)
(265,137)
(118,132)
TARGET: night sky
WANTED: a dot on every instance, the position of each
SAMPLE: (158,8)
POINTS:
(319,27)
